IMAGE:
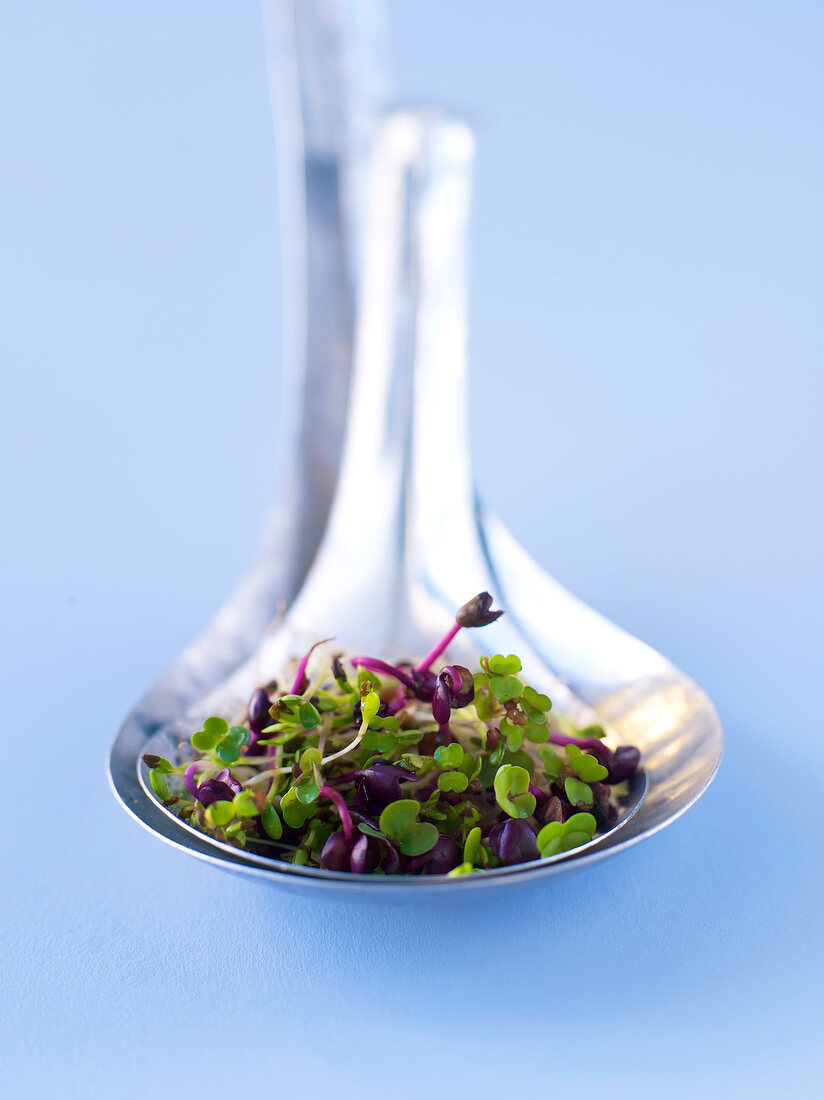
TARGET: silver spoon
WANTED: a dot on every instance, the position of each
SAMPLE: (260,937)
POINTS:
(613,669)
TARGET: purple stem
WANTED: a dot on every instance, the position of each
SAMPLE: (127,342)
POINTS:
(435,653)
(374,665)
(342,808)
(540,796)
(300,675)
(399,699)
(592,744)
(189,779)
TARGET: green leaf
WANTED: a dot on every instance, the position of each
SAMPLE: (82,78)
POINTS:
(245,805)
(563,837)
(213,729)
(497,754)
(491,762)
(484,706)
(449,756)
(453,781)
(537,734)
(399,817)
(536,716)
(216,726)
(229,751)
(522,759)
(461,869)
(582,822)
(309,716)
(511,791)
(573,840)
(576,792)
(220,813)
(549,832)
(370,703)
(229,748)
(433,815)
(592,731)
(552,847)
(271,822)
(419,839)
(504,665)
(237,831)
(587,767)
(400,821)
(379,741)
(387,722)
(470,766)
(514,734)
(310,759)
(536,700)
(407,737)
(420,764)
(294,812)
(307,789)
(553,765)
(203,742)
(505,688)
(158,782)
(472,846)
(514,738)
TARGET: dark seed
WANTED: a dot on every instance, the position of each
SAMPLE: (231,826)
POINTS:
(477,611)
(514,841)
(336,852)
(258,710)
(365,855)
(553,811)
(625,760)
(214,790)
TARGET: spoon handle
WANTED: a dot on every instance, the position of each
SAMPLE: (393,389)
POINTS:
(354,586)
(326,82)
(327,87)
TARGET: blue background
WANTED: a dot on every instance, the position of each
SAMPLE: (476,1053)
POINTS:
(647,240)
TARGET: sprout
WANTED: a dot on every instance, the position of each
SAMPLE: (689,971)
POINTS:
(390,767)
(400,822)
(512,791)
(564,836)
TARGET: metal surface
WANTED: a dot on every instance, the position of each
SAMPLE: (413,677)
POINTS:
(405,543)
